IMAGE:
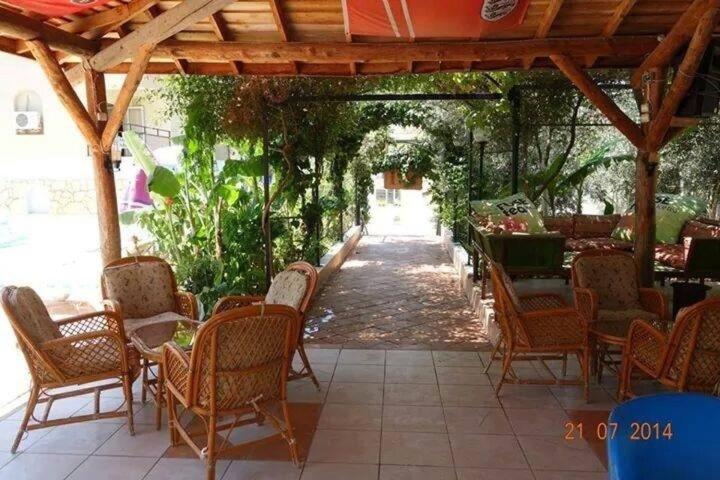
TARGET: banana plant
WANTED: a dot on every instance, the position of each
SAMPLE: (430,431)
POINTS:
(161,180)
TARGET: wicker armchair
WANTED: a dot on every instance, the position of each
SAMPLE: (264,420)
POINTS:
(537,327)
(141,291)
(686,359)
(67,354)
(237,368)
(608,295)
(294,287)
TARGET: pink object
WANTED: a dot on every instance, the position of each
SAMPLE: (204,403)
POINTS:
(137,194)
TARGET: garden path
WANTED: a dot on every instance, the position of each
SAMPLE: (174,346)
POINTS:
(395,292)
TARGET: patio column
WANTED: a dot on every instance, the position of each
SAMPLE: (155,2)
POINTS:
(105,191)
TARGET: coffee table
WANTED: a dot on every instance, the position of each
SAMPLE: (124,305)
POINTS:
(149,340)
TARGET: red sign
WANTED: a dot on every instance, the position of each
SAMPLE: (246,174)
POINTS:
(56,8)
(434,19)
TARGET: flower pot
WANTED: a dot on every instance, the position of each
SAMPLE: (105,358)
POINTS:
(394,180)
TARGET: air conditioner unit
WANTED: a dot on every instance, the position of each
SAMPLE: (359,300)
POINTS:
(27,120)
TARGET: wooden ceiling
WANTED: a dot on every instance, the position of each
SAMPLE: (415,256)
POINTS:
(309,37)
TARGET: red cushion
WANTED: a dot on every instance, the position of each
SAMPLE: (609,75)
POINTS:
(670,255)
(602,243)
(564,225)
(698,229)
(594,226)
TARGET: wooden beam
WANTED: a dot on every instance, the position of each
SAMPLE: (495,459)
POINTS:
(281,23)
(679,35)
(19,26)
(64,91)
(684,77)
(619,14)
(130,85)
(164,26)
(551,12)
(600,99)
(221,32)
(105,191)
(112,18)
(348,34)
(403,52)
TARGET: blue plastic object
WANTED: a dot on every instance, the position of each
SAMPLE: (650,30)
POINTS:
(670,436)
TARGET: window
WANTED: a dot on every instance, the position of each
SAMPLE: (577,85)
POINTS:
(28,113)
(135,116)
(387,197)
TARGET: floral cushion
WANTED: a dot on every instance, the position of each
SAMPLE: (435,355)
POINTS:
(29,310)
(564,225)
(143,289)
(594,226)
(613,277)
(287,288)
(602,243)
(698,229)
(671,255)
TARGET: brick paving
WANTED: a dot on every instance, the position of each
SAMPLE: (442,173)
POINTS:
(395,292)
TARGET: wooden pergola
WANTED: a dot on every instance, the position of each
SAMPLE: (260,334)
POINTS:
(312,37)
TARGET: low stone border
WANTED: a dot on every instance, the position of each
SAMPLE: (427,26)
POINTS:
(459,258)
(338,253)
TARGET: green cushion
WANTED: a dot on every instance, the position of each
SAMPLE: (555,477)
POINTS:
(671,213)
(515,213)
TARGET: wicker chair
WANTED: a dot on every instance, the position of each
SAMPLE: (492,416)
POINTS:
(67,354)
(294,287)
(537,327)
(687,359)
(237,368)
(608,295)
(141,291)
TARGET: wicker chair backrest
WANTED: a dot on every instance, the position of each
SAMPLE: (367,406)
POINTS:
(694,354)
(243,355)
(507,305)
(612,275)
(143,286)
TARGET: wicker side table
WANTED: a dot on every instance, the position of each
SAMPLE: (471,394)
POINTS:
(149,341)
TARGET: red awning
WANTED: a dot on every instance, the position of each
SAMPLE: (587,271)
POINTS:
(432,18)
(56,8)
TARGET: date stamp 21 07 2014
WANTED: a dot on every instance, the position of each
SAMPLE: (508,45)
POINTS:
(639,431)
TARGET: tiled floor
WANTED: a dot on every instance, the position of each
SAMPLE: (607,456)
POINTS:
(381,415)
(396,292)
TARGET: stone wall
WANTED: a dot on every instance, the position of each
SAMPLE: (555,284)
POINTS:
(54,196)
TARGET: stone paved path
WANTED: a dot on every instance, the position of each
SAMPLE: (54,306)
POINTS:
(395,292)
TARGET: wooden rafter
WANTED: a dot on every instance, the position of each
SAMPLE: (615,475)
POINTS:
(164,26)
(683,79)
(221,32)
(348,34)
(340,52)
(64,90)
(551,12)
(605,104)
(619,14)
(281,24)
(122,102)
(19,26)
(111,19)
(677,38)
(180,63)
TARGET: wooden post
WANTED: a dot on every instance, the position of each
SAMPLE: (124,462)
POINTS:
(645,184)
(106,195)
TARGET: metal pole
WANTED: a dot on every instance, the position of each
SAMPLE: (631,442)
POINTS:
(266,194)
(514,97)
(357,202)
(316,201)
(481,170)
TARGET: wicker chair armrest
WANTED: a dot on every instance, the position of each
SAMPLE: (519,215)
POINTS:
(653,300)
(236,301)
(91,322)
(586,303)
(177,371)
(541,301)
(89,353)
(646,347)
(111,305)
(187,305)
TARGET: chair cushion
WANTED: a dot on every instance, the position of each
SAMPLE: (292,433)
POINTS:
(143,289)
(629,315)
(564,225)
(594,226)
(698,229)
(30,312)
(613,277)
(132,324)
(601,243)
(287,288)
(671,255)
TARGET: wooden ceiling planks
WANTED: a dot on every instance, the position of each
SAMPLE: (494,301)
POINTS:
(273,22)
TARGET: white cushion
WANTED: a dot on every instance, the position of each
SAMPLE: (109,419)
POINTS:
(287,288)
